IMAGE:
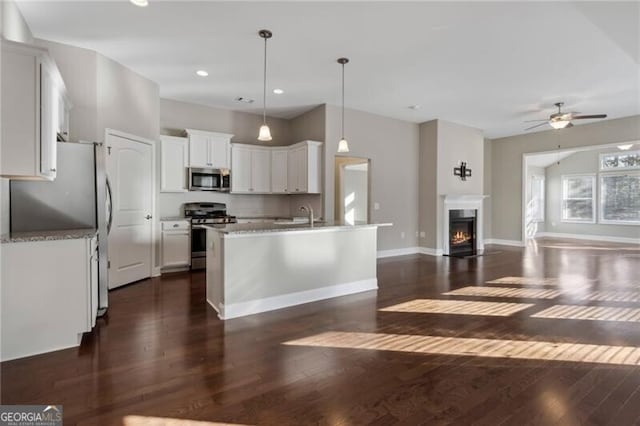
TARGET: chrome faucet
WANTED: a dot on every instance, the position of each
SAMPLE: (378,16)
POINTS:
(307,208)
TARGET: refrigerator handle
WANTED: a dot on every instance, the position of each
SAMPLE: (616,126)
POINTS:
(110,211)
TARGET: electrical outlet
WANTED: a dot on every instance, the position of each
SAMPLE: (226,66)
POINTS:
(376,206)
(416,233)
(422,234)
(402,235)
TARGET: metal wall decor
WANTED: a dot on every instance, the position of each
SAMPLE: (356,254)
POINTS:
(462,171)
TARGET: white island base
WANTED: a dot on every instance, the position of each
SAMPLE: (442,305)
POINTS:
(252,270)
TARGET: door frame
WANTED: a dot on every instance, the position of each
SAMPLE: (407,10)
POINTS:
(155,222)
(340,162)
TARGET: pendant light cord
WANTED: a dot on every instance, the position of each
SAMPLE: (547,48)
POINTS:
(342,101)
(264,86)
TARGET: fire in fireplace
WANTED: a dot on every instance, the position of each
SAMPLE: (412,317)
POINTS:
(462,232)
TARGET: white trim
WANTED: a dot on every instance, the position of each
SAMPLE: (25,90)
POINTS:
(617,154)
(208,133)
(453,202)
(409,250)
(251,307)
(563,181)
(430,251)
(398,252)
(588,237)
(601,176)
(513,243)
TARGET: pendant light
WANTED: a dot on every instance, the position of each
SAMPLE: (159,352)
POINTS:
(343,146)
(265,132)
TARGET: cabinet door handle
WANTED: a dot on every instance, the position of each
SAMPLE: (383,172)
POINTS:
(175,225)
(53,170)
(148,217)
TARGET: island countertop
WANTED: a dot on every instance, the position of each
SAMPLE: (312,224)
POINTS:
(259,228)
(67,234)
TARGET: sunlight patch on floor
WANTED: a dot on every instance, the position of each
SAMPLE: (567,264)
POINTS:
(458,307)
(591,313)
(490,348)
(613,296)
(163,421)
(527,293)
(525,281)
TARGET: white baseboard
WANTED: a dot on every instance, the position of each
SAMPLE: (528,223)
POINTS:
(156,271)
(398,252)
(588,237)
(242,309)
(513,243)
(409,250)
(430,251)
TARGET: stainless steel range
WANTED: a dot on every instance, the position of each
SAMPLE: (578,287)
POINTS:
(201,214)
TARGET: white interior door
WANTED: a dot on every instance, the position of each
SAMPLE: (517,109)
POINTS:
(129,166)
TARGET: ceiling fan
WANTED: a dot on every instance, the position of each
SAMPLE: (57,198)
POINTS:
(561,120)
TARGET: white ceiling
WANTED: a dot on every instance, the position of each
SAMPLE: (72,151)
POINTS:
(485,65)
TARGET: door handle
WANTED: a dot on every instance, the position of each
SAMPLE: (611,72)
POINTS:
(148,217)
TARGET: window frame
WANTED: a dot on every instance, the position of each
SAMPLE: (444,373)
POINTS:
(594,189)
(541,178)
(616,169)
(626,171)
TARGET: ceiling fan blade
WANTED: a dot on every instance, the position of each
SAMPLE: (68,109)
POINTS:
(537,125)
(587,117)
(535,121)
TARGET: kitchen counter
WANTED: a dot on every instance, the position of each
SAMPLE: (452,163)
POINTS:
(67,234)
(257,228)
(290,264)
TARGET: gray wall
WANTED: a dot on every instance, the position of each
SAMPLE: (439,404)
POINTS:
(442,146)
(392,146)
(507,164)
(486,183)
(580,162)
(175,116)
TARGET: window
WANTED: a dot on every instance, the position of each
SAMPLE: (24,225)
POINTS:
(620,161)
(578,198)
(537,198)
(620,198)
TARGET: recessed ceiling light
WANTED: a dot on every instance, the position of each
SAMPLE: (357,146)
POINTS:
(278,91)
(140,3)
(202,73)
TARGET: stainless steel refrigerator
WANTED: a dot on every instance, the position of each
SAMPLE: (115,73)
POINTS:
(79,197)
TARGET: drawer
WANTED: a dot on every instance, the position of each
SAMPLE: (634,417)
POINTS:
(175,225)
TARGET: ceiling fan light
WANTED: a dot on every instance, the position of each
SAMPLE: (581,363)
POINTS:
(264,134)
(559,124)
(343,146)
(625,147)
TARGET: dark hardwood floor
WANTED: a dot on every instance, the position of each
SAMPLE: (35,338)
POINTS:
(540,352)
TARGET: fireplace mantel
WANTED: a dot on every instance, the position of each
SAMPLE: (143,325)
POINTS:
(463,201)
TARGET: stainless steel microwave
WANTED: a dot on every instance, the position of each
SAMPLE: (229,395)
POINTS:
(209,179)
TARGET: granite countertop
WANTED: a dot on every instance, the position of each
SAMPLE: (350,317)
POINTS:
(256,228)
(31,236)
(174,218)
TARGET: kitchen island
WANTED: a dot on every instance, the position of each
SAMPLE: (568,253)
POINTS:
(259,267)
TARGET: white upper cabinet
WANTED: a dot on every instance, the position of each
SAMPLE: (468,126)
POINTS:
(209,149)
(250,169)
(279,171)
(174,155)
(305,168)
(35,112)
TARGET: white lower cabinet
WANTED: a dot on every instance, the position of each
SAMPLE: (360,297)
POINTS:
(176,244)
(48,307)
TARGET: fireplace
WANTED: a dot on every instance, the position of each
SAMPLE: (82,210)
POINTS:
(462,232)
